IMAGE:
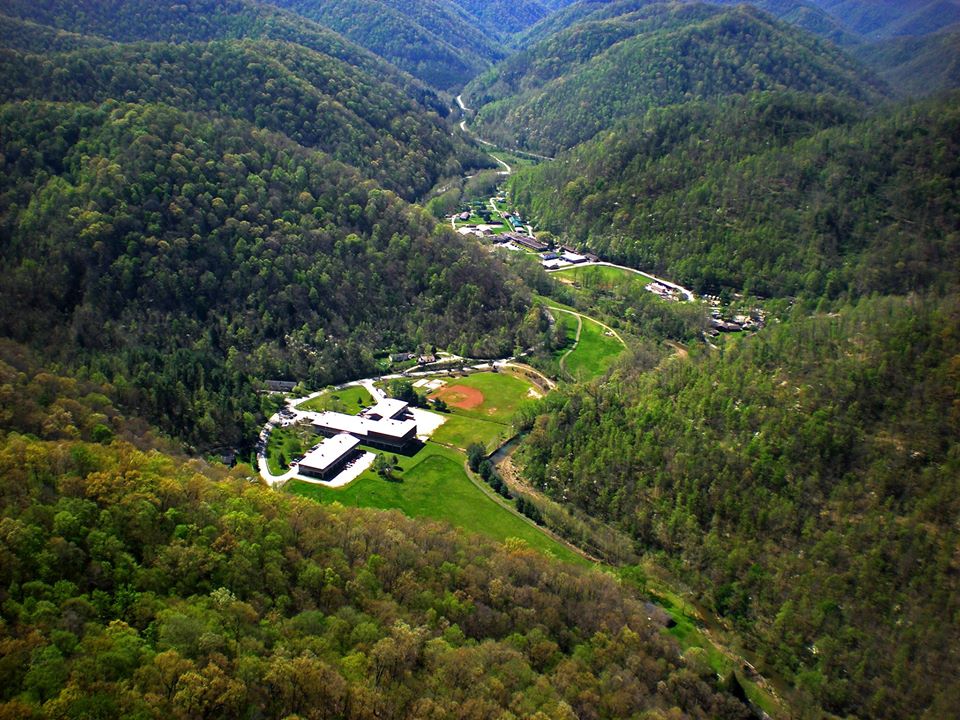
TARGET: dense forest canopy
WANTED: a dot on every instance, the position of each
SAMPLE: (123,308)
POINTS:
(776,194)
(315,99)
(805,482)
(184,256)
(434,40)
(134,583)
(580,81)
(202,20)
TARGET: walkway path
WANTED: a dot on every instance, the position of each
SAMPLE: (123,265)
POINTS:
(576,341)
(581,316)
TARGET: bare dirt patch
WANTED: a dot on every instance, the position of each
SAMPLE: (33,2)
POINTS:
(460,396)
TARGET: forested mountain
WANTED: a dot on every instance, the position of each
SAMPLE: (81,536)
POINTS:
(443,42)
(805,482)
(201,20)
(313,98)
(916,57)
(138,584)
(761,193)
(800,13)
(582,80)
(916,66)
(434,40)
(27,36)
(876,19)
(182,256)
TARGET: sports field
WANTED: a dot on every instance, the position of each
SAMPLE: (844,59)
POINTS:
(459,432)
(494,396)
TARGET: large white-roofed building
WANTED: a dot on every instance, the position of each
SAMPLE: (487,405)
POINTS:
(329,457)
(386,425)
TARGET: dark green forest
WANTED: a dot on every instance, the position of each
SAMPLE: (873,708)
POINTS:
(198,197)
(314,99)
(774,194)
(202,20)
(433,40)
(804,482)
(586,79)
(183,257)
(799,13)
(136,583)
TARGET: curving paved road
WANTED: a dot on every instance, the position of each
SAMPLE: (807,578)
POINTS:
(688,294)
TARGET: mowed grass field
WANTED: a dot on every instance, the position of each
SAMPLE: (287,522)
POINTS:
(460,431)
(502,394)
(434,484)
(601,276)
(595,352)
(349,400)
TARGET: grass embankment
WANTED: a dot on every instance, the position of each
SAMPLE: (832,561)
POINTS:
(349,400)
(434,484)
(595,352)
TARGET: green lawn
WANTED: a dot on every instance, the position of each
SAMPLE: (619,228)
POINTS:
(503,394)
(594,353)
(349,400)
(288,442)
(601,276)
(460,431)
(569,324)
(434,484)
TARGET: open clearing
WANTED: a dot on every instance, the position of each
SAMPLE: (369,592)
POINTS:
(434,484)
(500,393)
(595,352)
(459,431)
(601,277)
(349,400)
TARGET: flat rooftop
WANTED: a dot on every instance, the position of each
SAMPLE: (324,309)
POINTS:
(388,408)
(327,453)
(362,426)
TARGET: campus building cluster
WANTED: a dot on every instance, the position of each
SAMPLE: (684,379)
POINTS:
(388,425)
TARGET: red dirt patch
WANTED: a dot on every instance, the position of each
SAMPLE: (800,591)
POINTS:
(459,396)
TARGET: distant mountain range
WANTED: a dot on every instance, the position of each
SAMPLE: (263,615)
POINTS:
(583,79)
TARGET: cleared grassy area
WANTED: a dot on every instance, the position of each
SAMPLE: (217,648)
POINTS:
(350,400)
(503,393)
(594,353)
(460,431)
(569,324)
(434,484)
(288,443)
(602,277)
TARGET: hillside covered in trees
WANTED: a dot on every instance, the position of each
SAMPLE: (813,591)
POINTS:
(134,583)
(182,257)
(587,78)
(778,194)
(804,482)
(442,42)
(129,21)
(315,99)
(796,12)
